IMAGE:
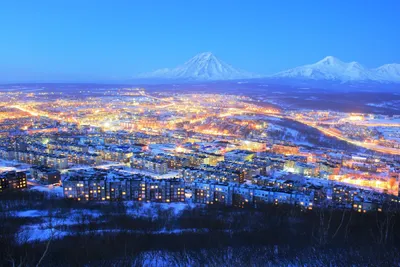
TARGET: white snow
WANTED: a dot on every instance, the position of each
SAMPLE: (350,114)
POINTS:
(394,104)
(7,165)
(331,68)
(204,66)
(56,226)
(55,190)
(31,213)
(35,232)
(149,210)
(389,72)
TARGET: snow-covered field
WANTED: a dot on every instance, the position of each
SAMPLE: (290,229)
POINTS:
(288,134)
(56,224)
(50,224)
(52,190)
(386,104)
(149,210)
(7,165)
(390,133)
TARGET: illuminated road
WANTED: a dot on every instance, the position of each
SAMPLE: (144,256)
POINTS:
(37,113)
(33,113)
(328,132)
(358,123)
(156,98)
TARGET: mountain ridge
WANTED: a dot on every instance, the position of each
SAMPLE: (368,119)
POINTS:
(333,69)
(207,67)
(202,67)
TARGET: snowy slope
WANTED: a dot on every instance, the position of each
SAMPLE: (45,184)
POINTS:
(204,66)
(329,68)
(389,72)
(333,69)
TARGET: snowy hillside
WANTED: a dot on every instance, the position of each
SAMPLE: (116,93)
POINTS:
(389,72)
(204,66)
(333,69)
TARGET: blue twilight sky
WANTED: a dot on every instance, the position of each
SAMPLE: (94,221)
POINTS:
(115,38)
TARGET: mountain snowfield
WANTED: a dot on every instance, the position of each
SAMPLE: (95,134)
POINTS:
(207,67)
(389,72)
(333,69)
(202,67)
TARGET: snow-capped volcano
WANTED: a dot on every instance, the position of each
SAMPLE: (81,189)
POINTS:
(330,68)
(204,66)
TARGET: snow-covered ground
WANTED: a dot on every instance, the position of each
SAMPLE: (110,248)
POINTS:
(149,210)
(51,222)
(395,104)
(54,190)
(390,133)
(56,223)
(288,133)
(31,213)
(7,165)
(388,122)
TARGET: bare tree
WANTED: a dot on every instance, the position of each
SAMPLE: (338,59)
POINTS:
(48,225)
(385,221)
(346,232)
(22,260)
(322,234)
